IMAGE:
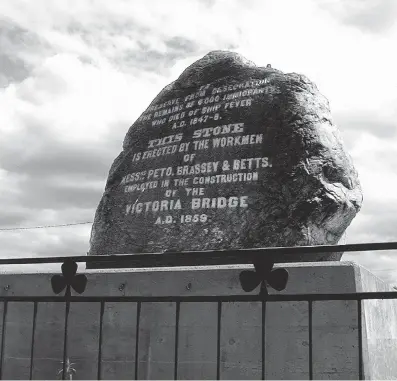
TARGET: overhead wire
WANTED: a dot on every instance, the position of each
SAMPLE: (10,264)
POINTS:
(46,226)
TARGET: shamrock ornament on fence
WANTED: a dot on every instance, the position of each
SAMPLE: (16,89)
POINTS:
(69,279)
(263,275)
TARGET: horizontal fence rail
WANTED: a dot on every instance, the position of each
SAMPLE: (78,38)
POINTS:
(195,258)
(387,295)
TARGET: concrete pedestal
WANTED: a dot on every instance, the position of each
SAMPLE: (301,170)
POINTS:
(334,337)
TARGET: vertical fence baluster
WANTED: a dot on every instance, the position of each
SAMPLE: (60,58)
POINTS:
(100,339)
(32,343)
(138,315)
(218,343)
(177,313)
(263,339)
(310,339)
(3,333)
(360,340)
(65,337)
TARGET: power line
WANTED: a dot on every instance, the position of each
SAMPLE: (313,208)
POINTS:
(47,226)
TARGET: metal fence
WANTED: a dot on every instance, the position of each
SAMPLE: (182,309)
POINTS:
(262,277)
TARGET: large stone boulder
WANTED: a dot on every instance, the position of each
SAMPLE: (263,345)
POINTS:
(229,156)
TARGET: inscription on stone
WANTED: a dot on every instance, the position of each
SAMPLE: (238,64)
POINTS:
(191,130)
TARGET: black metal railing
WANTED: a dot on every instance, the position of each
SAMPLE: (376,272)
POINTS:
(264,276)
(309,298)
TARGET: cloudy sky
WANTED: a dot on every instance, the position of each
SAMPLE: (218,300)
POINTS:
(74,75)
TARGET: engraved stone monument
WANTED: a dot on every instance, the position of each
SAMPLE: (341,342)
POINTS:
(229,156)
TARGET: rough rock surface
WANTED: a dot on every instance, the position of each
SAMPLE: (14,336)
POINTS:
(230,155)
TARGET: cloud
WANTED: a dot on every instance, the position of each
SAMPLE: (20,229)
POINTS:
(373,16)
(358,126)
(369,122)
(19,47)
(65,241)
(132,37)
(39,153)
(14,216)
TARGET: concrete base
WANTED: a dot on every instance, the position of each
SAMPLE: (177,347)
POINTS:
(335,330)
